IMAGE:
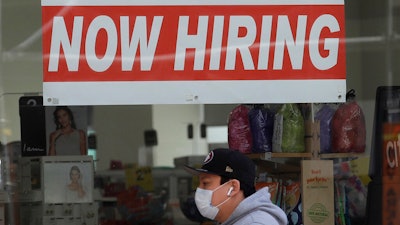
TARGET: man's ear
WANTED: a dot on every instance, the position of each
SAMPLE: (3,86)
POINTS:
(235,188)
(229,191)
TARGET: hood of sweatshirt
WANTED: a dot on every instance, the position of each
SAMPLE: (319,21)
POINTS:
(255,207)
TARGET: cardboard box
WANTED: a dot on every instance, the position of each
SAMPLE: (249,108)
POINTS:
(318,191)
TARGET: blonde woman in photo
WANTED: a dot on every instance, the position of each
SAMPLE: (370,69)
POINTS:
(75,191)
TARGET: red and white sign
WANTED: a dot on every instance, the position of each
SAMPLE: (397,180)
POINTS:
(98,52)
(390,173)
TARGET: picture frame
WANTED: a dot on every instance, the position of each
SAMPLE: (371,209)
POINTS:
(60,172)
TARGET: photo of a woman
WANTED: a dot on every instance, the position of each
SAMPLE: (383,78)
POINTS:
(68,179)
(66,139)
(75,191)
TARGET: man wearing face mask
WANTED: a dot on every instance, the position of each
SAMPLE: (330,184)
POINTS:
(226,191)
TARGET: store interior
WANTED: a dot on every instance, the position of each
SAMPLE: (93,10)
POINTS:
(372,46)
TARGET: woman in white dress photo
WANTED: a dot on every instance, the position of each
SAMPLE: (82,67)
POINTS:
(75,191)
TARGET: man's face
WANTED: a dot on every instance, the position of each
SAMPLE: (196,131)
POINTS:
(211,182)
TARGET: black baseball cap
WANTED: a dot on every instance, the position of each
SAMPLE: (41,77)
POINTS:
(230,164)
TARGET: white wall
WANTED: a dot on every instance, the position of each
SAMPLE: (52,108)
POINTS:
(171,123)
(18,76)
(9,118)
(119,131)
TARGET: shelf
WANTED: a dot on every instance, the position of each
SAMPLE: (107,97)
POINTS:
(106,199)
(271,155)
(278,167)
(111,173)
(340,155)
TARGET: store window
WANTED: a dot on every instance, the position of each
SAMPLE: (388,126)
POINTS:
(372,50)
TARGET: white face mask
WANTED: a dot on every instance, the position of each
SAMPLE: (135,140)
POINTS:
(203,199)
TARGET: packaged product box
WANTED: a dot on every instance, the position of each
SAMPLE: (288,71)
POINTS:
(317,184)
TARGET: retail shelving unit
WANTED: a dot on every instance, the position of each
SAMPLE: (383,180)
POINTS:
(289,165)
(42,198)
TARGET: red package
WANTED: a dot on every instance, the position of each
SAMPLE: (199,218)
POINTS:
(239,132)
(348,128)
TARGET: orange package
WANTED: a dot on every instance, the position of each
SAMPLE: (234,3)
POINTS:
(272,187)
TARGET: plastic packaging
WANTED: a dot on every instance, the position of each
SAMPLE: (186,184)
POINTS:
(262,125)
(348,127)
(239,131)
(292,128)
(324,115)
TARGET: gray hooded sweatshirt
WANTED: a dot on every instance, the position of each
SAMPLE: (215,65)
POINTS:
(257,209)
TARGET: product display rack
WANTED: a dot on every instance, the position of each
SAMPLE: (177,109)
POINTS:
(170,183)
(308,155)
(287,165)
(41,196)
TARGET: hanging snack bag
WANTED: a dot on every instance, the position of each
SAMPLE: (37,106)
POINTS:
(348,127)
(289,130)
(239,132)
(293,207)
(262,125)
(324,116)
